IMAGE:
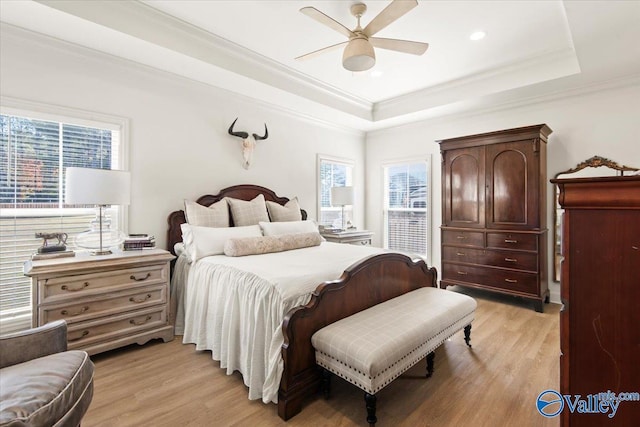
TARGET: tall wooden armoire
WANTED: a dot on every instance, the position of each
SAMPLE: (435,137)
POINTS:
(494,230)
(600,291)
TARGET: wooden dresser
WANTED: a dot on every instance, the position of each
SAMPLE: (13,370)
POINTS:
(108,301)
(600,291)
(494,231)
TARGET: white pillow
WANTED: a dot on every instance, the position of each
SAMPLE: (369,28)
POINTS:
(288,227)
(216,215)
(289,212)
(200,242)
(248,212)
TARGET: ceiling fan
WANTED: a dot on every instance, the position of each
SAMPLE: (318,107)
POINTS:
(359,54)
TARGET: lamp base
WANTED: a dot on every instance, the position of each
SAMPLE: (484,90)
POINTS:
(101,252)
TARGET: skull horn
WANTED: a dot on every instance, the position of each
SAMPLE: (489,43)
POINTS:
(266,134)
(243,135)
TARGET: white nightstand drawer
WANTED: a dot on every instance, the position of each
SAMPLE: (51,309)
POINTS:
(103,305)
(87,333)
(73,287)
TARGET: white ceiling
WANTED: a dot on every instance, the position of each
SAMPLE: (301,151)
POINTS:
(532,48)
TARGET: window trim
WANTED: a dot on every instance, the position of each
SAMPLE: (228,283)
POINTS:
(41,111)
(338,160)
(428,210)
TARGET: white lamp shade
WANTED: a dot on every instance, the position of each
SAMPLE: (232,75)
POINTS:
(358,55)
(341,196)
(85,186)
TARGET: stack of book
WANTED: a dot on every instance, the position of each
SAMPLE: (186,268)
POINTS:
(139,241)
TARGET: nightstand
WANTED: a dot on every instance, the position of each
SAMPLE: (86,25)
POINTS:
(352,237)
(108,301)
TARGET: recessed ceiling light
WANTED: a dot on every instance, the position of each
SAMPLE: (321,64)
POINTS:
(478,35)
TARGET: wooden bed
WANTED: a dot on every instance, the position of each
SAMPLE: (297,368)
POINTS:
(371,281)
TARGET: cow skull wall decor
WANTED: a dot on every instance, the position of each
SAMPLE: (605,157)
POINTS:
(248,142)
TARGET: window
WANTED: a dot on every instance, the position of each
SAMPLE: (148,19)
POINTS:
(407,206)
(332,172)
(35,148)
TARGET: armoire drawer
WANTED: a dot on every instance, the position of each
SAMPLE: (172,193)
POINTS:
(517,241)
(109,328)
(464,238)
(516,281)
(504,259)
(73,287)
(104,305)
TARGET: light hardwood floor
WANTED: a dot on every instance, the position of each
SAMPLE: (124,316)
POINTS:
(515,356)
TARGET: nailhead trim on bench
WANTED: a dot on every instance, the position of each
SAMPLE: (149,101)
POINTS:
(434,342)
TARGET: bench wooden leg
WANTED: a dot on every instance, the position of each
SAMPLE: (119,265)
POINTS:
(430,357)
(370,401)
(467,335)
(326,383)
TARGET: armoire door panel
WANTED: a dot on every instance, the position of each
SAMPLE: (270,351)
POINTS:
(512,186)
(509,178)
(465,178)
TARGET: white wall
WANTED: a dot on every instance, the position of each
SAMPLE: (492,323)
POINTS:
(604,123)
(178,142)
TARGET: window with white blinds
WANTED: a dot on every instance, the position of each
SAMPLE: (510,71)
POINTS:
(407,207)
(333,172)
(35,149)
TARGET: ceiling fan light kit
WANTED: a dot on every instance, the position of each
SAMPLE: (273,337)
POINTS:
(359,54)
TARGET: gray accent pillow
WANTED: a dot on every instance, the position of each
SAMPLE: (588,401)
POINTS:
(248,212)
(289,212)
(267,244)
(216,215)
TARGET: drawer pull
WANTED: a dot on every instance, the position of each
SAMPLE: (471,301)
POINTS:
(462,273)
(66,288)
(511,280)
(77,313)
(460,253)
(510,241)
(511,260)
(84,334)
(142,322)
(143,299)
(461,237)
(133,277)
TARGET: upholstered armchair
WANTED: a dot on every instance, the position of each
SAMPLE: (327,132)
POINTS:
(41,383)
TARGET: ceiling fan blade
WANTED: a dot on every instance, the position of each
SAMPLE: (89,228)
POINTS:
(320,51)
(393,11)
(314,13)
(406,46)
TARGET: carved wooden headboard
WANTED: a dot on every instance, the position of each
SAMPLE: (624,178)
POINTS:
(242,192)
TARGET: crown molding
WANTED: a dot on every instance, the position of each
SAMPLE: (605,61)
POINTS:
(141,21)
(472,109)
(551,65)
(20,34)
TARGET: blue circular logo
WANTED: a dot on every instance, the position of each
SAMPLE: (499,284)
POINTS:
(549,403)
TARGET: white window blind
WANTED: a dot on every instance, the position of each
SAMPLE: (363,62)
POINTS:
(406,207)
(34,153)
(333,172)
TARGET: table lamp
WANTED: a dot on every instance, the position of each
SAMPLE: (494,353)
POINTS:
(100,187)
(342,196)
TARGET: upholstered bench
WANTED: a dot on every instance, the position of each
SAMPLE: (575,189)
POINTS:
(375,346)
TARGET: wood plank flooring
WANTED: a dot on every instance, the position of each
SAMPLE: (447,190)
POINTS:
(515,356)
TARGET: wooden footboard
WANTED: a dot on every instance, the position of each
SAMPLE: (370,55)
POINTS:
(369,282)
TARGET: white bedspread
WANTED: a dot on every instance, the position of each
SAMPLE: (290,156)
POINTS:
(234,306)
